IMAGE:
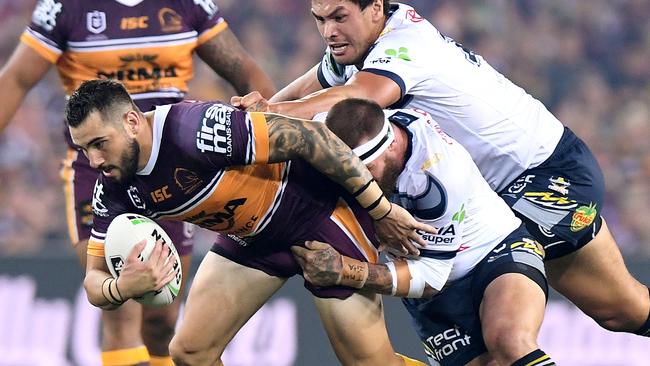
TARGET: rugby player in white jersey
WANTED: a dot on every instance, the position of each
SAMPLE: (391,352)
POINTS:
(481,261)
(390,54)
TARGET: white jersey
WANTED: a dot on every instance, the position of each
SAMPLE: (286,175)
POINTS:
(441,186)
(505,129)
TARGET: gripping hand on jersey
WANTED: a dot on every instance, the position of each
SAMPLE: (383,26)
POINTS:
(321,264)
(398,232)
(139,277)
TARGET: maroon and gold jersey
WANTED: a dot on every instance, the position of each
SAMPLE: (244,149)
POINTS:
(209,166)
(145,44)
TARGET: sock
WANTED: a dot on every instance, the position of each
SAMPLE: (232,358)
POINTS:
(161,361)
(124,357)
(535,358)
(410,361)
(645,328)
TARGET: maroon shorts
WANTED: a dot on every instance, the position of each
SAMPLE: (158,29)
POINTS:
(78,183)
(349,230)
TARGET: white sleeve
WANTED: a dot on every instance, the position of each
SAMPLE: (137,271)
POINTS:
(332,74)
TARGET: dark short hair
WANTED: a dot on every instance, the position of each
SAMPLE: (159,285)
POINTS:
(101,95)
(364,4)
(354,120)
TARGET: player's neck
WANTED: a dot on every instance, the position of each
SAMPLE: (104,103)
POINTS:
(145,139)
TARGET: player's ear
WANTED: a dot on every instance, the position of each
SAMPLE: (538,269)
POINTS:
(132,123)
(377,9)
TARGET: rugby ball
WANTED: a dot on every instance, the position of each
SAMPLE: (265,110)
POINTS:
(124,232)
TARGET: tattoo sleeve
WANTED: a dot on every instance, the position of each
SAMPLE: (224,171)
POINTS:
(311,141)
(379,279)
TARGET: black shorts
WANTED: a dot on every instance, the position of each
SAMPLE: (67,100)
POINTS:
(449,324)
(561,199)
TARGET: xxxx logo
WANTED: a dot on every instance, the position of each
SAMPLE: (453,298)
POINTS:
(583,217)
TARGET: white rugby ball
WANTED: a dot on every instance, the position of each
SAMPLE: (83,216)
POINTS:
(124,232)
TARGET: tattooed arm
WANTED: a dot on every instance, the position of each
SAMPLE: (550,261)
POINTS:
(291,138)
(323,266)
(226,56)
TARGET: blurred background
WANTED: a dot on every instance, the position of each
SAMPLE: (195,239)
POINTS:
(587,60)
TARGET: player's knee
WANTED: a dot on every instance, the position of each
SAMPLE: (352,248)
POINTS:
(615,320)
(509,341)
(184,353)
(158,327)
(121,326)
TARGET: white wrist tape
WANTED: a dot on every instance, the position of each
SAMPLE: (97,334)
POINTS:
(417,284)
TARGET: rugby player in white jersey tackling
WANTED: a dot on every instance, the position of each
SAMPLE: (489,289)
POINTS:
(390,54)
(481,261)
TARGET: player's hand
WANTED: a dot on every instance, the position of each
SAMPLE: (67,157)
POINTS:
(251,102)
(321,264)
(139,277)
(398,232)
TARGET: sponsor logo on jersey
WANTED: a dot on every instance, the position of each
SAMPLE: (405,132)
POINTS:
(161,194)
(381,60)
(221,221)
(433,159)
(131,23)
(187,180)
(446,343)
(520,184)
(559,185)
(45,13)
(96,21)
(413,16)
(208,6)
(135,198)
(550,200)
(215,134)
(583,217)
(401,53)
(99,208)
(138,67)
(170,20)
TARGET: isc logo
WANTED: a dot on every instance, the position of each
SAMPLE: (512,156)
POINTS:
(160,194)
(131,23)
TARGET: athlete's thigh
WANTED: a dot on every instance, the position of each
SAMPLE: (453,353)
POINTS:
(223,296)
(508,292)
(596,279)
(356,329)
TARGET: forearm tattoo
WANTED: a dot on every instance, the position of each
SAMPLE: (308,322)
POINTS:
(379,279)
(311,141)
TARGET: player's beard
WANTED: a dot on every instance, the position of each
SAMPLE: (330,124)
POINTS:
(129,163)
(388,181)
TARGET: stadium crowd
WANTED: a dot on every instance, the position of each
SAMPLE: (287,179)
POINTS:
(586,60)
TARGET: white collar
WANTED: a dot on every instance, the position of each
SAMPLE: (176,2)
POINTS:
(130,3)
(159,118)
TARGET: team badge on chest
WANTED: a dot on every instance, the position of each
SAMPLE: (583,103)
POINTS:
(96,21)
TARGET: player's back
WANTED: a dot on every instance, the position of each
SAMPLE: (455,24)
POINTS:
(441,185)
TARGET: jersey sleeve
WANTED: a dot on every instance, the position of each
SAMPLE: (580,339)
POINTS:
(47,32)
(204,17)
(218,135)
(332,74)
(106,205)
(397,58)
